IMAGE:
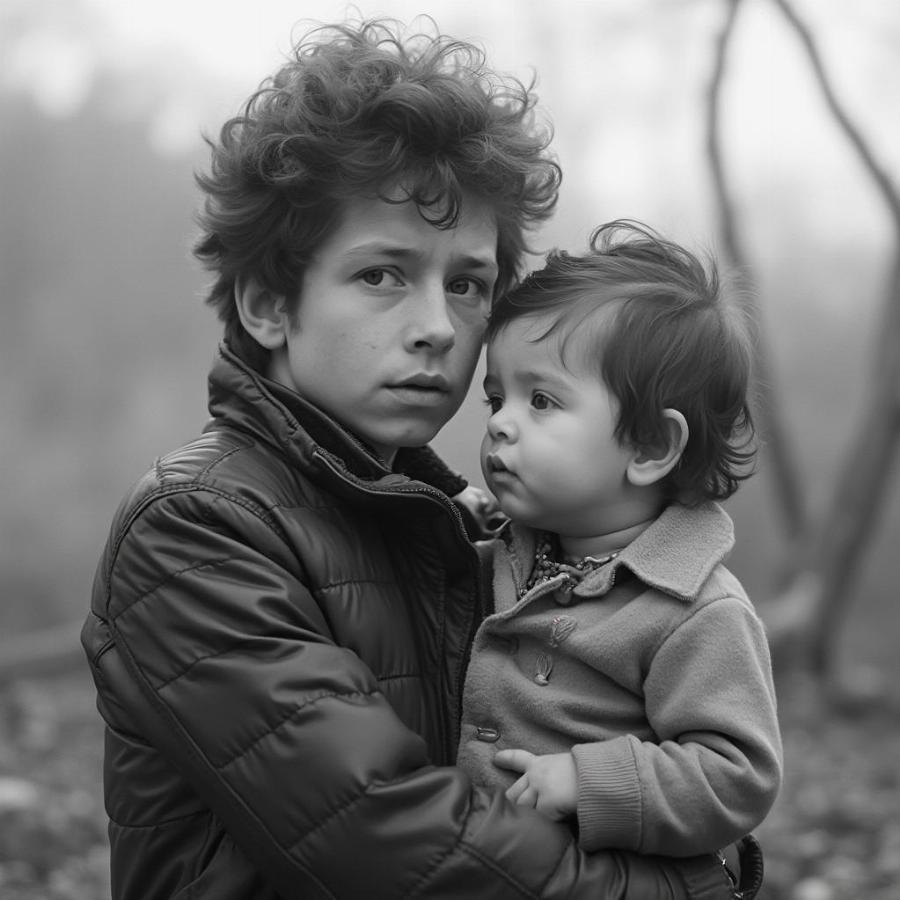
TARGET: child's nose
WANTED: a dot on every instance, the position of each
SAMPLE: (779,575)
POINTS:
(501,426)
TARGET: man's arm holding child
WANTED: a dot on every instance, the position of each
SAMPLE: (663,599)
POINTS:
(287,738)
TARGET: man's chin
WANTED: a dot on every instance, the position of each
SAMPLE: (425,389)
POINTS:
(408,437)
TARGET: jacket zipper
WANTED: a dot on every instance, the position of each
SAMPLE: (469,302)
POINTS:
(449,730)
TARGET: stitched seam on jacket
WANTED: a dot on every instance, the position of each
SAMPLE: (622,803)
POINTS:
(171,576)
(495,867)
(356,799)
(335,812)
(219,459)
(161,823)
(338,695)
(421,884)
(553,872)
(200,659)
(346,581)
(162,492)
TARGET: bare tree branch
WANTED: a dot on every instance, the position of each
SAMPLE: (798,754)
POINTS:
(883,182)
(836,546)
(727,218)
(787,486)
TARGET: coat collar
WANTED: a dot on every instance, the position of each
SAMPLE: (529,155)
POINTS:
(242,398)
(675,554)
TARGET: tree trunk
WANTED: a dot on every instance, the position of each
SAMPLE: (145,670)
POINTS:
(806,619)
(788,495)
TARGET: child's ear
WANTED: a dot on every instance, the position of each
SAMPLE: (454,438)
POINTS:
(650,465)
(262,313)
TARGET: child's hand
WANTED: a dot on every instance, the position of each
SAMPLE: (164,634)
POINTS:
(483,508)
(549,783)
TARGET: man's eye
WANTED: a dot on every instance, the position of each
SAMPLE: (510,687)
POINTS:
(464,286)
(381,277)
(541,401)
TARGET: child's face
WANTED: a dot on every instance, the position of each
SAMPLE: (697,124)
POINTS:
(549,454)
(390,321)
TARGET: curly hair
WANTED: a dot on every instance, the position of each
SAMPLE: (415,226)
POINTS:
(662,332)
(357,111)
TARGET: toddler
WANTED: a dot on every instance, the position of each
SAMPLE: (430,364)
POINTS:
(623,680)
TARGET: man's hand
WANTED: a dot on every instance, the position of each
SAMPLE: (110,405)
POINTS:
(549,783)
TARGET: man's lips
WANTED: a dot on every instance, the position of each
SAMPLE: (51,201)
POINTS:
(421,390)
(423,382)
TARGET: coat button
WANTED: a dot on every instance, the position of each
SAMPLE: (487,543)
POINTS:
(488,735)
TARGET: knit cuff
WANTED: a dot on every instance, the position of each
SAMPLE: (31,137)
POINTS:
(609,796)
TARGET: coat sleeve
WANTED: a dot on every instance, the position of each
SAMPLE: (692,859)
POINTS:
(217,653)
(715,770)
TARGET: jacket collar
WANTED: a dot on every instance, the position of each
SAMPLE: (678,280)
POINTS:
(242,398)
(675,554)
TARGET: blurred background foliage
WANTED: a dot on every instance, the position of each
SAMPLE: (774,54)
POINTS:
(105,341)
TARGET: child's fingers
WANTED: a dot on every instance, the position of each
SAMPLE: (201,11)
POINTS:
(522,793)
(486,502)
(528,798)
(516,760)
(517,789)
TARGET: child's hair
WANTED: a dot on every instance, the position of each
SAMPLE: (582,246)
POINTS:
(356,111)
(670,337)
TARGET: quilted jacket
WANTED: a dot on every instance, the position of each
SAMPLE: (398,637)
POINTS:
(278,634)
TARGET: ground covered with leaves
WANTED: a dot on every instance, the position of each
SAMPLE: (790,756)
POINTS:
(833,835)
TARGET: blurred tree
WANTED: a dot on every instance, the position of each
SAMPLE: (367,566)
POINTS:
(103,351)
(823,555)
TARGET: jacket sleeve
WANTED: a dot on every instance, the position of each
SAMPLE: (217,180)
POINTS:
(715,770)
(219,655)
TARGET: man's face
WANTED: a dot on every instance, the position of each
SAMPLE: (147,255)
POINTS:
(390,321)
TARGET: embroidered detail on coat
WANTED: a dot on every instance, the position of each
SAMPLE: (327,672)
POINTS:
(560,628)
(544,668)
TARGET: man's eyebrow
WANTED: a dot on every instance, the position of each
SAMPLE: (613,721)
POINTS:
(395,251)
(478,262)
(381,249)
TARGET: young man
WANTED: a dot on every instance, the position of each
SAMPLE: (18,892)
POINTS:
(282,614)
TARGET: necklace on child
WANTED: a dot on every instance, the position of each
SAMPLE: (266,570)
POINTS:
(547,566)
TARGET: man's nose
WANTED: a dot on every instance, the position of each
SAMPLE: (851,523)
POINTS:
(430,326)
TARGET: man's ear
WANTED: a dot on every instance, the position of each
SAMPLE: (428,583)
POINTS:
(262,313)
(650,465)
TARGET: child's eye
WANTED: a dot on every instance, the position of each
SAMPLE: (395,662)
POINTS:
(494,404)
(541,401)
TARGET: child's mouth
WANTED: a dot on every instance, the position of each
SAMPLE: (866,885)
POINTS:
(495,464)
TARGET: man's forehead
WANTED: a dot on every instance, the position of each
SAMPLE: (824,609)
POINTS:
(397,228)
